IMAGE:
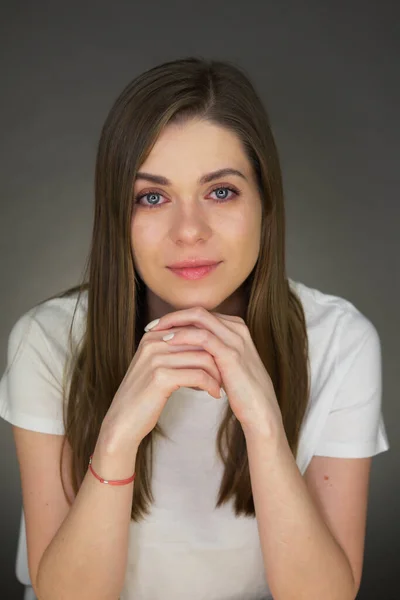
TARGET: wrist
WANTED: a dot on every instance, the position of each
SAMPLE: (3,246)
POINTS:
(113,460)
(114,443)
(264,434)
(112,467)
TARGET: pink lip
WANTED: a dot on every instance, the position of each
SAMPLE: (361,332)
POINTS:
(194,272)
(188,263)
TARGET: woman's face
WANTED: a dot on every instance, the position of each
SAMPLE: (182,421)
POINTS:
(186,218)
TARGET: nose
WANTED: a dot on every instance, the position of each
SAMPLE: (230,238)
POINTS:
(190,224)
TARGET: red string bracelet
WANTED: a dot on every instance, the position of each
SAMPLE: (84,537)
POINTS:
(110,482)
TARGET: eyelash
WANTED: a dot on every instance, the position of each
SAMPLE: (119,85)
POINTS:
(220,187)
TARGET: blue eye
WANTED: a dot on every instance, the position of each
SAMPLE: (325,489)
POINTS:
(225,188)
(138,198)
(155,193)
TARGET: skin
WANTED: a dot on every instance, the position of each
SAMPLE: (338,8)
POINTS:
(188,221)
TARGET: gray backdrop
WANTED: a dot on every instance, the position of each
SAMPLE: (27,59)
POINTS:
(328,73)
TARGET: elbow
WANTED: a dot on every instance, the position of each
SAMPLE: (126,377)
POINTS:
(41,594)
(35,586)
(355,583)
(356,589)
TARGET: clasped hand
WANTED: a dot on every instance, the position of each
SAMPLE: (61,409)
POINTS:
(227,339)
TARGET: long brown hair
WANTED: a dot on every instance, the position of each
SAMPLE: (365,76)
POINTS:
(221,93)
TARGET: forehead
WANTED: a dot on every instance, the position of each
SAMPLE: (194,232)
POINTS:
(197,147)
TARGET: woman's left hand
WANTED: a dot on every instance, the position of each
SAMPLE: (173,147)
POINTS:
(248,385)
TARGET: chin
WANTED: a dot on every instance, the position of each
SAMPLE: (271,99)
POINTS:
(207,305)
(207,300)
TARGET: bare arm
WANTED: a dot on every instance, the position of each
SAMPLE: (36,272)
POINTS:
(87,557)
(302,558)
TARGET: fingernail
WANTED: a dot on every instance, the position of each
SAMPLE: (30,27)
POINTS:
(152,324)
(169,336)
(222,392)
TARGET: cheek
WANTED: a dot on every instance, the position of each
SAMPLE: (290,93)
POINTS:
(142,236)
(244,233)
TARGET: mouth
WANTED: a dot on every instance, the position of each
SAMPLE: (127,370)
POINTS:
(193,273)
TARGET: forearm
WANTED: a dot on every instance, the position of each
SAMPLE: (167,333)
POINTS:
(87,557)
(302,559)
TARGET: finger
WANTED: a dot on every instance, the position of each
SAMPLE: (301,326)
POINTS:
(208,341)
(176,378)
(198,319)
(187,359)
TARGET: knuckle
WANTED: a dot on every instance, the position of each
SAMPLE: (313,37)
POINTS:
(204,376)
(235,354)
(204,336)
(242,345)
(144,343)
(241,324)
(153,362)
(159,374)
(207,358)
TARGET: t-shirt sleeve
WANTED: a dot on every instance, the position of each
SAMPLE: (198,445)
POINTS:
(355,426)
(30,390)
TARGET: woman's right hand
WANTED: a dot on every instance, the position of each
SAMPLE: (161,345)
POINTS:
(156,370)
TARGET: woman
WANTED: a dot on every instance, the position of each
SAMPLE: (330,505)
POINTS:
(218,458)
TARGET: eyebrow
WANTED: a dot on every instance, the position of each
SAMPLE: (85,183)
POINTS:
(203,179)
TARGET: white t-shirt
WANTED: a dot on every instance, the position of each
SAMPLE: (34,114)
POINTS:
(186,548)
